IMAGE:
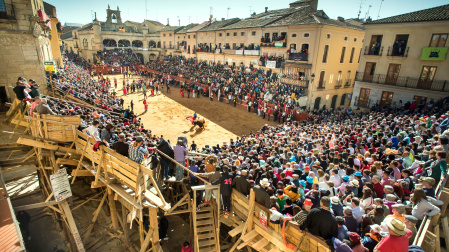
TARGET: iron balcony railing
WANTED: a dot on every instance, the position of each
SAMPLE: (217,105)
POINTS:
(295,82)
(397,53)
(348,82)
(321,84)
(404,81)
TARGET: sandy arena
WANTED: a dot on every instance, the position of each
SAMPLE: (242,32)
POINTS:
(167,114)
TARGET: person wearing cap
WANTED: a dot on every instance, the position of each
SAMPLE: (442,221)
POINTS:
(343,233)
(241,183)
(427,185)
(350,221)
(321,222)
(336,206)
(397,239)
(371,239)
(356,244)
(343,185)
(410,223)
(137,151)
(262,197)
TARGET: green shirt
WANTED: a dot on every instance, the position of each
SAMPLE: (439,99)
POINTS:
(281,202)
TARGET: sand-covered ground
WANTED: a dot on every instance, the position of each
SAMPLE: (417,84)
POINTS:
(167,116)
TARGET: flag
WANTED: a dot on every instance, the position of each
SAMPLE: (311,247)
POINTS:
(44,18)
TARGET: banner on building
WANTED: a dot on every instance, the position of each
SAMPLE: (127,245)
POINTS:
(230,61)
(239,52)
(271,64)
(279,44)
(49,67)
(434,53)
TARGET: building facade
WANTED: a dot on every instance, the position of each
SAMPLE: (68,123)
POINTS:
(404,58)
(24,44)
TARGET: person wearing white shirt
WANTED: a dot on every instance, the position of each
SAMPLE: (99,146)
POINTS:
(323,184)
(92,131)
(335,178)
(357,210)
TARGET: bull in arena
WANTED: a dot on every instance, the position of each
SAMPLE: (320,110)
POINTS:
(200,122)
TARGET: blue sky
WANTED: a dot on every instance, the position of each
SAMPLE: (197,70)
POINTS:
(81,11)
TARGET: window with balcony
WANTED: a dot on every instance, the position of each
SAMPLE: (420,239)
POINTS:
(342,57)
(370,68)
(426,77)
(234,46)
(242,45)
(392,74)
(348,79)
(375,44)
(305,48)
(399,46)
(275,36)
(339,79)
(352,55)
(293,47)
(326,51)
(253,33)
(438,40)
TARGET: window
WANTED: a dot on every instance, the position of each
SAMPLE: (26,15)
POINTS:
(438,40)
(346,38)
(306,35)
(364,97)
(321,82)
(385,100)
(242,45)
(339,78)
(235,34)
(305,48)
(92,42)
(368,75)
(242,34)
(326,51)
(393,73)
(178,37)
(163,35)
(343,100)
(400,45)
(234,46)
(253,33)
(352,55)
(342,58)
(348,79)
(275,36)
(292,46)
(426,77)
(85,44)
(328,36)
(227,34)
(294,35)
(169,35)
(374,45)
(188,36)
(194,36)
(220,34)
(355,39)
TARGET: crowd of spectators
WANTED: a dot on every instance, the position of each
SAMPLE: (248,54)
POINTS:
(117,57)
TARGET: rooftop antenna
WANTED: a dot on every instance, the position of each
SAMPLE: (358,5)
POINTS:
(378,14)
(360,9)
(146,10)
(189,19)
(250,10)
(92,14)
(210,15)
(227,17)
(367,13)
(179,21)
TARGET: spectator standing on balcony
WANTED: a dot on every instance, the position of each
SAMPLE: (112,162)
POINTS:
(180,150)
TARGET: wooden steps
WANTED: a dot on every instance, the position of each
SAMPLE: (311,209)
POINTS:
(206,234)
(205,229)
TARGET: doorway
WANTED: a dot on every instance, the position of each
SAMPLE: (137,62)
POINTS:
(386,99)
(334,101)
(392,74)
(368,75)
(317,103)
(364,97)
(426,77)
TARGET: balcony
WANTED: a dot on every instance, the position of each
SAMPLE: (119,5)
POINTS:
(298,56)
(404,81)
(373,51)
(251,52)
(348,82)
(338,84)
(7,12)
(397,52)
(295,82)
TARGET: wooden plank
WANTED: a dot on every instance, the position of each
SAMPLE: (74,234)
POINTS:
(269,236)
(204,229)
(36,205)
(131,184)
(112,209)
(120,191)
(48,146)
(147,240)
(249,236)
(72,225)
(260,244)
(274,249)
(82,173)
(206,243)
(94,219)
(236,230)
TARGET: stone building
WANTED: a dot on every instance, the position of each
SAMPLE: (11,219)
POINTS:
(404,59)
(24,44)
(143,38)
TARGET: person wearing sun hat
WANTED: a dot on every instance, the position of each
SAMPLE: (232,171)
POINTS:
(345,182)
(371,239)
(262,197)
(397,239)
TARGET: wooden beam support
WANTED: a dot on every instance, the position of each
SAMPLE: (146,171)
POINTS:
(48,146)
(94,219)
(36,205)
(81,173)
(63,161)
(72,225)
(113,210)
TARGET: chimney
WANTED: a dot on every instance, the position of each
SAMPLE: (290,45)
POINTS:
(266,9)
(341,19)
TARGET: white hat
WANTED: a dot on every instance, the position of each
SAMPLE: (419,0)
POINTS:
(335,200)
(355,183)
(264,182)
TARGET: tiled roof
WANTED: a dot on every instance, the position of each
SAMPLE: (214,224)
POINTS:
(433,14)
(186,28)
(219,24)
(86,27)
(171,28)
(198,27)
(66,35)
(307,17)
(154,22)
